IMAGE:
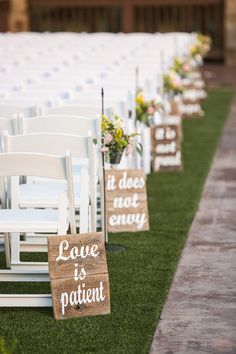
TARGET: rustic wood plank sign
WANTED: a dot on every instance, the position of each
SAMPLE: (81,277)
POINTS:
(166,147)
(126,200)
(79,275)
(191,109)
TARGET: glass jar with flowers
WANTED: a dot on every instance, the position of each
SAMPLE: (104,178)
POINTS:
(145,109)
(115,141)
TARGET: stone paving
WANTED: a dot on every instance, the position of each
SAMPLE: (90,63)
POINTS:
(200,312)
(218,75)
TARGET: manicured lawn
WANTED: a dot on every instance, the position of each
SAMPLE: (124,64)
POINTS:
(141,276)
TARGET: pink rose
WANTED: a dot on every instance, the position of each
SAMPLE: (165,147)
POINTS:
(104,149)
(186,67)
(150,110)
(108,138)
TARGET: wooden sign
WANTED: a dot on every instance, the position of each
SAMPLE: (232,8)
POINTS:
(126,200)
(79,275)
(191,109)
(166,147)
(194,95)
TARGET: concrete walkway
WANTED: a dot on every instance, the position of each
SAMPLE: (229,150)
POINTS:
(200,313)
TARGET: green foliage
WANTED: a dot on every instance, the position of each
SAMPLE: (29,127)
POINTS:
(141,276)
(7,348)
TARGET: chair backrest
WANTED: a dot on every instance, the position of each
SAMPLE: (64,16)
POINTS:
(9,124)
(49,143)
(66,124)
(84,111)
(80,148)
(41,165)
(11,111)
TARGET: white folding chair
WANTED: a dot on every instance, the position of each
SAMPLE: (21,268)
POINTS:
(16,221)
(88,111)
(11,110)
(74,125)
(66,124)
(36,196)
(9,124)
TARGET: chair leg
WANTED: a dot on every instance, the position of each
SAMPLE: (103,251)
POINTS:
(7,249)
(15,247)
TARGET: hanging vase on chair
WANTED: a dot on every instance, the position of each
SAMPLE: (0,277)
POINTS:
(114,157)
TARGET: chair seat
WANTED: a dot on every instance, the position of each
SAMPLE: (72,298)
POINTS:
(44,195)
(28,220)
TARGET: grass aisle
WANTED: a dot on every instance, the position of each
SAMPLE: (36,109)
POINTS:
(141,276)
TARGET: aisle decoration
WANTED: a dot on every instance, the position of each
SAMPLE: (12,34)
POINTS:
(182,67)
(166,145)
(172,84)
(146,109)
(79,275)
(200,48)
(115,141)
(126,201)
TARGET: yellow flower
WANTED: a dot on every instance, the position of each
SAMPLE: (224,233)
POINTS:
(140,98)
(118,134)
(105,122)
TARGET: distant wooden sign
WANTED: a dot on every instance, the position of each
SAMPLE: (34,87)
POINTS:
(166,147)
(191,109)
(79,275)
(126,200)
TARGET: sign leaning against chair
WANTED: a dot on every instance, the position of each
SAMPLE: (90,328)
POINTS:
(79,275)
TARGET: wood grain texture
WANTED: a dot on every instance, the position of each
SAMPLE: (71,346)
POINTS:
(81,309)
(65,269)
(127,208)
(78,267)
(166,148)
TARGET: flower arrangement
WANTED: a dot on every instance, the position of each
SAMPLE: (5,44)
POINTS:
(201,46)
(115,141)
(182,67)
(205,41)
(145,110)
(172,83)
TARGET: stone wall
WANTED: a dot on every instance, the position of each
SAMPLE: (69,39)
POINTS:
(230,32)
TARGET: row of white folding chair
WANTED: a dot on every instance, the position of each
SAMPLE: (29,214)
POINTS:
(66,124)
(72,125)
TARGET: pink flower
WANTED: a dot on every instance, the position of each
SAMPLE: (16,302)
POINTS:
(129,149)
(108,138)
(175,83)
(186,67)
(150,110)
(104,149)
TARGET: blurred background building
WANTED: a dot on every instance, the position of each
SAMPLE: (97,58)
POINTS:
(214,17)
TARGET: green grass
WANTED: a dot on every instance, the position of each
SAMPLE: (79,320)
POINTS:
(141,276)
